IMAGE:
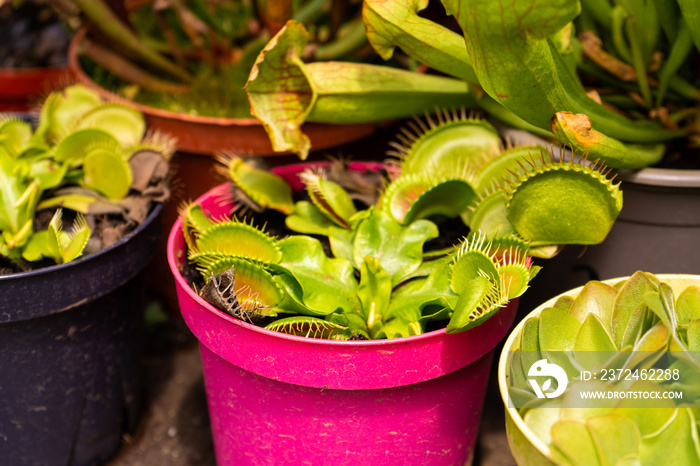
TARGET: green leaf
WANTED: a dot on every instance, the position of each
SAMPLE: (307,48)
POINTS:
(410,198)
(648,421)
(398,328)
(77,144)
(558,330)
(518,64)
(530,343)
(284,92)
(37,246)
(655,302)
(12,217)
(397,23)
(654,339)
(264,188)
(236,239)
(310,327)
(254,286)
(574,440)
(48,174)
(341,241)
(563,204)
(474,259)
(126,124)
(308,219)
(595,298)
(629,310)
(63,108)
(677,443)
(472,294)
(614,436)
(409,300)
(489,216)
(593,342)
(330,198)
(688,305)
(508,165)
(694,336)
(564,303)
(577,132)
(398,248)
(541,420)
(374,293)
(107,173)
(14,135)
(327,284)
(77,239)
(451,146)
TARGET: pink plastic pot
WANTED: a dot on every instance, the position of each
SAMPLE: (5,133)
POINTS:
(280,399)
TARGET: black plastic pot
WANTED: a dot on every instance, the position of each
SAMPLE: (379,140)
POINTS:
(70,339)
(657,231)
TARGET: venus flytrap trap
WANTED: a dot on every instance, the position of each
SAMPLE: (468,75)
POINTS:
(87,156)
(630,338)
(346,272)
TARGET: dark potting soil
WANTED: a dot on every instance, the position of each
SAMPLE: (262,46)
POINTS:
(32,35)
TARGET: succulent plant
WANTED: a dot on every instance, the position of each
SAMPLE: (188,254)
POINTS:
(638,335)
(373,275)
(85,155)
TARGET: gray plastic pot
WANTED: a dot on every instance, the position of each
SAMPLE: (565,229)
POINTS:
(69,355)
(658,230)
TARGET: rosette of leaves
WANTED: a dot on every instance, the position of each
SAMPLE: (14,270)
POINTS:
(638,324)
(524,63)
(87,156)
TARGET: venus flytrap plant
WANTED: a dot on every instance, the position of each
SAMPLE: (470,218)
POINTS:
(86,156)
(377,278)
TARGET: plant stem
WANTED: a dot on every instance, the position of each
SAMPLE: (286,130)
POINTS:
(679,51)
(126,70)
(638,61)
(310,11)
(353,38)
(107,22)
(618,20)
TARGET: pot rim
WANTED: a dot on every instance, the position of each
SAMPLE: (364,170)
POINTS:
(92,257)
(511,411)
(670,177)
(21,72)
